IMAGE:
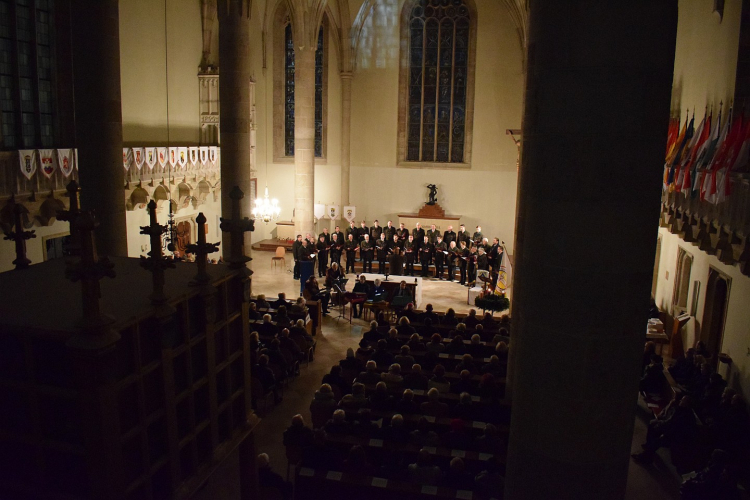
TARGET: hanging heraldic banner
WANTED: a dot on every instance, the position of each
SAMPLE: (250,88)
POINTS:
(27,159)
(161,154)
(151,157)
(193,155)
(65,161)
(350,212)
(203,153)
(212,154)
(173,156)
(183,152)
(138,157)
(46,158)
(319,210)
(332,211)
(126,158)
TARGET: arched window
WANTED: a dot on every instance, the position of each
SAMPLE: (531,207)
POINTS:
(284,76)
(437,73)
(682,281)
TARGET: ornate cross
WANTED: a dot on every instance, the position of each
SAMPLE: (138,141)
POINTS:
(201,251)
(237,226)
(20,236)
(71,215)
(89,271)
(155,262)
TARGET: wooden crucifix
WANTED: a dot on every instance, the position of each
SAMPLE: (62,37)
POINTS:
(19,236)
(155,262)
(201,251)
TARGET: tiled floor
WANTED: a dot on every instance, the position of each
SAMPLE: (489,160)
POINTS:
(656,482)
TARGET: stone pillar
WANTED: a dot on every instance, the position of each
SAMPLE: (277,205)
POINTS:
(596,111)
(234,107)
(95,29)
(304,137)
(346,123)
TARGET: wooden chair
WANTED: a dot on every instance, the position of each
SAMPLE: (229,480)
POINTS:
(280,256)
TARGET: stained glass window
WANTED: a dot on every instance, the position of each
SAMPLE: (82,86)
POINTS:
(289,93)
(438,62)
(26,74)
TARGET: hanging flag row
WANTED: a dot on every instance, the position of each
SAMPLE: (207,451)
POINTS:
(47,161)
(182,157)
(699,160)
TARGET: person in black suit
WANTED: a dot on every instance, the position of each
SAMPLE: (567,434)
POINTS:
(389,231)
(410,251)
(351,251)
(449,235)
(322,248)
(381,247)
(336,247)
(352,229)
(363,230)
(295,254)
(340,236)
(425,254)
(396,261)
(325,234)
(440,257)
(418,234)
(402,232)
(375,231)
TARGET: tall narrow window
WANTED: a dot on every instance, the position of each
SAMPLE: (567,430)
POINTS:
(289,92)
(439,43)
(26,73)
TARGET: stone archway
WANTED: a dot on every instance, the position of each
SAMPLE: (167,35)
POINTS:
(714,312)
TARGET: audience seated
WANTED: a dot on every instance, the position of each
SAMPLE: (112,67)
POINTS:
(471,321)
(455,346)
(337,424)
(252,312)
(406,405)
(495,368)
(356,400)
(364,426)
(428,314)
(489,441)
(489,481)
(351,363)
(684,369)
(438,380)
(382,320)
(467,363)
(488,322)
(457,438)
(370,376)
(716,481)
(423,435)
(260,300)
(405,358)
(423,471)
(459,330)
(269,479)
(392,340)
(395,430)
(465,408)
(380,400)
(435,345)
(290,345)
(265,375)
(415,343)
(356,462)
(281,301)
(322,406)
(433,406)
(415,379)
(266,329)
(463,384)
(679,426)
(299,306)
(335,380)
(382,355)
(364,352)
(653,380)
(298,435)
(373,335)
(449,319)
(404,327)
(649,350)
(393,375)
(319,455)
(457,477)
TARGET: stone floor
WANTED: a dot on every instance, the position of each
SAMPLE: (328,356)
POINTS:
(644,483)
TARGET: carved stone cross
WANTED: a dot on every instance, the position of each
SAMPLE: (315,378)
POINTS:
(155,262)
(19,236)
(70,215)
(201,251)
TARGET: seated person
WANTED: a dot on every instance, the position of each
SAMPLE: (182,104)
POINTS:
(382,320)
(489,388)
(465,408)
(471,321)
(653,380)
(298,332)
(476,348)
(364,426)
(266,329)
(415,343)
(265,375)
(489,323)
(406,405)
(435,344)
(281,301)
(334,379)
(290,345)
(428,314)
(457,477)
(356,462)
(252,313)
(269,479)
(373,335)
(312,289)
(423,435)
(356,400)
(456,346)
(350,363)
(337,424)
(457,438)
(393,341)
(408,311)
(680,426)
(449,318)
(467,363)
(395,431)
(393,375)
(299,306)
(333,276)
(459,330)
(322,406)
(497,369)
(298,435)
(277,358)
(404,358)
(357,302)
(370,376)
(402,296)
(260,301)
(490,441)
(404,327)
(438,380)
(377,292)
(416,380)
(424,471)
(489,481)
(433,406)
(364,351)
(381,355)
(282,320)
(684,369)
(463,384)
(380,400)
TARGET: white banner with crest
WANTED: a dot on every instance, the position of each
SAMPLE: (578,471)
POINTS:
(126,158)
(350,212)
(47,160)
(138,157)
(203,154)
(65,161)
(183,156)
(173,156)
(27,160)
(161,155)
(333,211)
(193,155)
(151,157)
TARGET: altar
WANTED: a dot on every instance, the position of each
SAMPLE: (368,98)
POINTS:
(285,230)
(390,286)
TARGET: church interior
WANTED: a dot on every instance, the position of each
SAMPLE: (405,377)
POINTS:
(555,197)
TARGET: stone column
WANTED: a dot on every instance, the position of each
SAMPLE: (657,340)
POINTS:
(234,108)
(596,111)
(346,123)
(304,137)
(95,44)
